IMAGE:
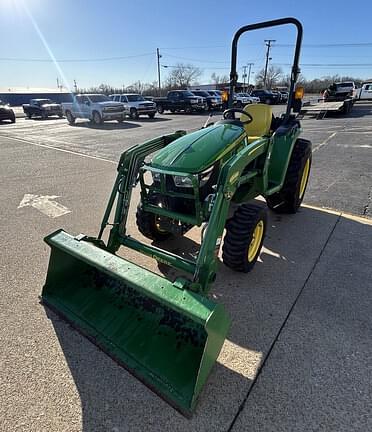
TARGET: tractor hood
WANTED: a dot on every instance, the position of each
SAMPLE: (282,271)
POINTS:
(198,150)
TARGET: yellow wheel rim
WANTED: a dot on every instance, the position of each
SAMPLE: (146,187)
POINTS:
(256,241)
(305,176)
(158,227)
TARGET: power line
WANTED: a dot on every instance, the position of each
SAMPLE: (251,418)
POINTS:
(196,60)
(102,59)
(333,45)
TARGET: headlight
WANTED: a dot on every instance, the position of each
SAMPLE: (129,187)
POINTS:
(182,181)
(205,176)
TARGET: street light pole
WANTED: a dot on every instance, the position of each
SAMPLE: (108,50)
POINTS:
(268,44)
(158,57)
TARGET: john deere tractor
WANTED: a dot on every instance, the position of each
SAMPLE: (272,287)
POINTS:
(168,332)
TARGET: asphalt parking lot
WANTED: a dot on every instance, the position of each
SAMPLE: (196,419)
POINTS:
(298,356)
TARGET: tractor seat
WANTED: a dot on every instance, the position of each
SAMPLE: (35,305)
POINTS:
(260,125)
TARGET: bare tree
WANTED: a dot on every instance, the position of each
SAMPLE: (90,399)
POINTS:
(273,76)
(183,75)
(136,87)
(219,79)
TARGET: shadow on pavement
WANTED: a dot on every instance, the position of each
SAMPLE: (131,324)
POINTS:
(107,125)
(258,304)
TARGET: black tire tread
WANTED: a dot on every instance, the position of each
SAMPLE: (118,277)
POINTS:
(238,236)
(287,199)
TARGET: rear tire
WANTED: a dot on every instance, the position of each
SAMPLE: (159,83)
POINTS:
(152,115)
(12,119)
(120,120)
(148,225)
(70,118)
(289,198)
(245,233)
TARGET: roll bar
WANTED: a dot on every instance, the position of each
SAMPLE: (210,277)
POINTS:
(295,67)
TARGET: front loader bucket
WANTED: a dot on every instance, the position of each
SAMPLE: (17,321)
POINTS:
(166,336)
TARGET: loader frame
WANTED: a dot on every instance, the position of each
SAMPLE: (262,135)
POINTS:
(266,178)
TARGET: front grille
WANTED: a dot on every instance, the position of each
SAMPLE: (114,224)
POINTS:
(114,109)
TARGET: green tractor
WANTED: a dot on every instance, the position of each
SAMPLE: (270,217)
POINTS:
(168,332)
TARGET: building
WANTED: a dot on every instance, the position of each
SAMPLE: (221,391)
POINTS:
(16,96)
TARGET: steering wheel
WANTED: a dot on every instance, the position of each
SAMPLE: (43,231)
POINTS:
(230,114)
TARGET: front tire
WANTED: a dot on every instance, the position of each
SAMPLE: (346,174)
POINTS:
(160,109)
(290,197)
(148,225)
(70,118)
(152,115)
(134,114)
(245,233)
(97,118)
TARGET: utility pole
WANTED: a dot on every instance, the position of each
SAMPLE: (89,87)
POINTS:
(268,44)
(244,76)
(249,72)
(158,55)
(75,86)
(58,87)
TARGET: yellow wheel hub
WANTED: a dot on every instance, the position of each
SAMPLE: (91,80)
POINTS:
(256,241)
(305,176)
(158,227)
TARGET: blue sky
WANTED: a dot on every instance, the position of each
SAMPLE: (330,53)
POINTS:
(196,32)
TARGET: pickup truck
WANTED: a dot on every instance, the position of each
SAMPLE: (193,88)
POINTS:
(365,92)
(340,91)
(180,100)
(135,105)
(95,107)
(43,108)
(213,102)
(266,96)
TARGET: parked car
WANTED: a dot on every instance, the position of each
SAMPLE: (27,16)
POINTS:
(216,94)
(339,91)
(266,96)
(364,92)
(6,113)
(252,99)
(213,102)
(284,95)
(180,100)
(135,105)
(95,107)
(43,108)
(241,101)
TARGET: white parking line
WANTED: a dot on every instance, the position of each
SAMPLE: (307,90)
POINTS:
(324,142)
(58,149)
